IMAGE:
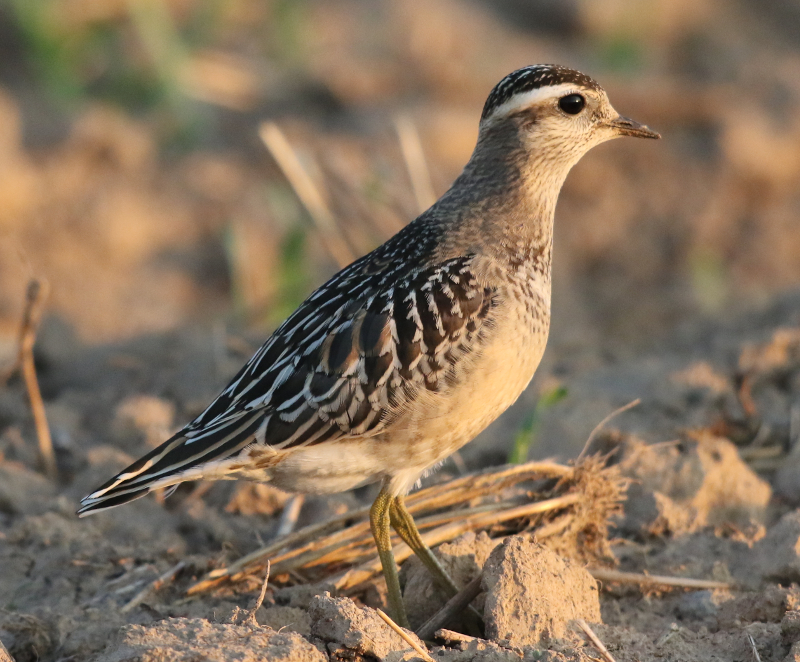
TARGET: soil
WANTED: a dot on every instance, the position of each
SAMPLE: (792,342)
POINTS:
(676,269)
(695,508)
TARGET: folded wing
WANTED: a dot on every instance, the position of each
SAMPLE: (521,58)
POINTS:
(352,358)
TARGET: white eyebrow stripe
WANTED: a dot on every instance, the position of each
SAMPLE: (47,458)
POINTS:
(525,99)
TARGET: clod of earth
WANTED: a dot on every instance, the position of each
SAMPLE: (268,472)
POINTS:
(532,594)
(778,553)
(192,639)
(463,558)
(342,624)
(683,486)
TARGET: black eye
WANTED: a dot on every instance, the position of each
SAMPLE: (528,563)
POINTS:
(572,104)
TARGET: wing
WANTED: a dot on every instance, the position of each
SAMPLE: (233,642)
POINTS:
(350,360)
(354,355)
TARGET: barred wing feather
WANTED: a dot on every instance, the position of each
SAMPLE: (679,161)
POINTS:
(347,363)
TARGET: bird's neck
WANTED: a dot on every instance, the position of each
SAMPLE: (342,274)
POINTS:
(511,193)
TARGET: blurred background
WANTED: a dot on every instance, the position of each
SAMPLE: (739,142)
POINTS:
(133,178)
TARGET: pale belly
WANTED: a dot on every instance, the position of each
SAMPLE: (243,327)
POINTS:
(439,424)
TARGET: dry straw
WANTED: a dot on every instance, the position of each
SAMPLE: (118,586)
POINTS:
(35,298)
(405,636)
(590,634)
(569,506)
(309,193)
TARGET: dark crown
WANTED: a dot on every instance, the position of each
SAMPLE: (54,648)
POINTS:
(531,78)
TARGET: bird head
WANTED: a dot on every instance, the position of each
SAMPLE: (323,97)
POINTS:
(555,112)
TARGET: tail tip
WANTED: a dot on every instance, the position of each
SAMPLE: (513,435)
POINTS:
(92,504)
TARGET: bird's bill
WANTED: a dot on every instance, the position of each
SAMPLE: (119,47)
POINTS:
(624,126)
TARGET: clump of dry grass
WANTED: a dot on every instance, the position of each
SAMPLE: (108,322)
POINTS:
(566,507)
(582,531)
(30,636)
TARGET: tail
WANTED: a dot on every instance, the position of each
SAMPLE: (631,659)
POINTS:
(189,455)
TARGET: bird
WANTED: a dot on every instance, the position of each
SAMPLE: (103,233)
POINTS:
(405,355)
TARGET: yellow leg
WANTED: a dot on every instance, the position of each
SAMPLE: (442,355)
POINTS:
(403,523)
(379,521)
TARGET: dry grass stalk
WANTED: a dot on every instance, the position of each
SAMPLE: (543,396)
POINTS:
(34,306)
(324,535)
(360,574)
(414,156)
(320,536)
(582,532)
(362,547)
(454,606)
(308,532)
(599,645)
(291,512)
(251,617)
(597,428)
(329,546)
(607,575)
(308,192)
(406,638)
(750,454)
(753,649)
(168,576)
(451,637)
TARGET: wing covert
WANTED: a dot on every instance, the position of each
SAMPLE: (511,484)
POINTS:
(357,353)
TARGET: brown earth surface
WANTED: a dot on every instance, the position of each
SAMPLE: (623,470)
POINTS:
(716,503)
(169,260)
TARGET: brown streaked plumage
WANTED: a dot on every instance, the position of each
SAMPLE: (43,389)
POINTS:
(405,355)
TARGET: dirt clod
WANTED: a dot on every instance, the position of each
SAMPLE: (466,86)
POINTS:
(286,619)
(778,553)
(682,487)
(769,605)
(463,559)
(341,622)
(480,650)
(190,639)
(301,595)
(794,653)
(143,415)
(532,594)
(790,626)
(15,479)
(697,605)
